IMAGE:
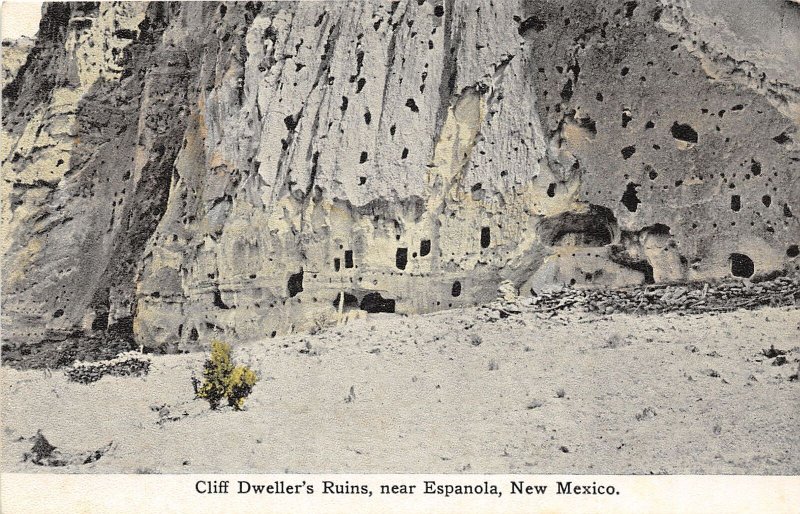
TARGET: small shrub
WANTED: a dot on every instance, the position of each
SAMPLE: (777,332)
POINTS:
(225,380)
(616,341)
(647,413)
(241,385)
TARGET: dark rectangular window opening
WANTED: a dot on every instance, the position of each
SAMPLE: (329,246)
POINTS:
(401,258)
(424,247)
(295,284)
(337,263)
(348,258)
(486,237)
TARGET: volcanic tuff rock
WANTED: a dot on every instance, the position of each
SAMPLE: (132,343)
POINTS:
(173,171)
(15,53)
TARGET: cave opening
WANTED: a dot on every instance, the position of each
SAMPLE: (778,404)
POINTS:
(295,284)
(659,229)
(486,237)
(456,290)
(218,300)
(683,132)
(645,268)
(374,302)
(590,229)
(619,255)
(629,198)
(401,258)
(350,301)
(742,265)
(424,247)
(100,321)
(628,152)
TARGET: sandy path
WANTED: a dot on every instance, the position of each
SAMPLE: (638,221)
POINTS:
(426,400)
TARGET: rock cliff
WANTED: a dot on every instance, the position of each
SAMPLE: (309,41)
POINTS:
(175,171)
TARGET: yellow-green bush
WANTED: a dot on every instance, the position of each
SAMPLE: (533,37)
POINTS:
(224,380)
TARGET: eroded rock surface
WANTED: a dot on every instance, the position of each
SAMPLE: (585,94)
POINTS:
(177,171)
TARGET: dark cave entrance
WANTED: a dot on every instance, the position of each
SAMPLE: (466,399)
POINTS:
(350,301)
(486,237)
(218,302)
(742,265)
(374,302)
(594,228)
(295,284)
(424,247)
(401,258)
(630,199)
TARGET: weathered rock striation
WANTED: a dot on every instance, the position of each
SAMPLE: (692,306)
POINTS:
(15,53)
(176,171)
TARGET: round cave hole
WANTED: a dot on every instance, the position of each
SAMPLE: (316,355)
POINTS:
(742,265)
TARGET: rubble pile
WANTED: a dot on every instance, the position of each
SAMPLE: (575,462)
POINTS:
(696,297)
(45,454)
(125,364)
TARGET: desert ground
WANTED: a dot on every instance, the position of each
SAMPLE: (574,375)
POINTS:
(454,391)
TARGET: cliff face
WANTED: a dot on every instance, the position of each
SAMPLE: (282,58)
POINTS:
(177,170)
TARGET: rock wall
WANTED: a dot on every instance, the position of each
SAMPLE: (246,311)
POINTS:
(174,172)
(15,53)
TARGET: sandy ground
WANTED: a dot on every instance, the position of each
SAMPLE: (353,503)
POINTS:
(449,392)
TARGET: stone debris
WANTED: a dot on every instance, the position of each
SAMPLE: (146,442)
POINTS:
(125,364)
(170,413)
(647,413)
(692,298)
(772,352)
(45,454)
(507,291)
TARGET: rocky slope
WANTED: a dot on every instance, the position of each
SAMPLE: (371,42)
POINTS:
(177,171)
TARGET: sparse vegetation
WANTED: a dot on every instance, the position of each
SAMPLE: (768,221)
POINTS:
(225,380)
(616,341)
(772,352)
(351,396)
(647,413)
